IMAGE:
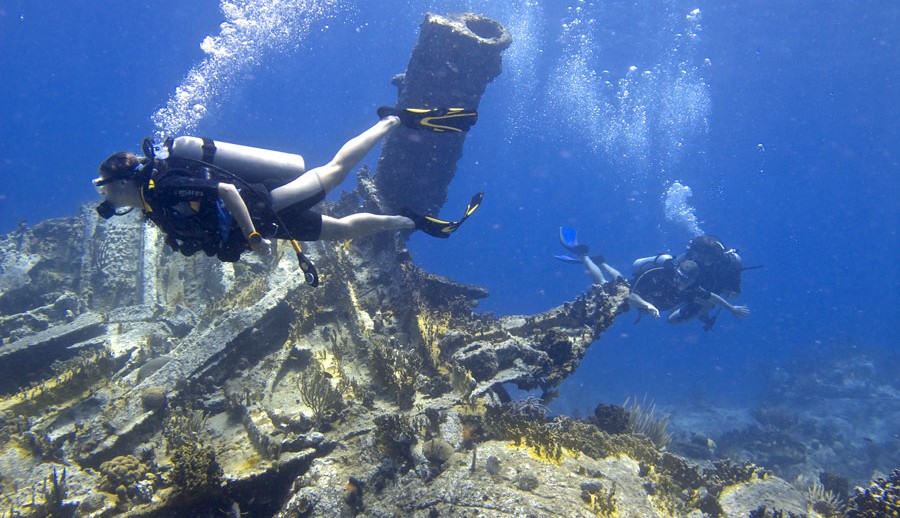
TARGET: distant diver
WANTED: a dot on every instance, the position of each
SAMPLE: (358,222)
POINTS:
(691,285)
(225,199)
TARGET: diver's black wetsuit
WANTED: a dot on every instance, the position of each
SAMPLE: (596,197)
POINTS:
(182,198)
(693,301)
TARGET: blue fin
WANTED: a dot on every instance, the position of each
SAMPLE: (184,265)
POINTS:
(568,237)
(568,259)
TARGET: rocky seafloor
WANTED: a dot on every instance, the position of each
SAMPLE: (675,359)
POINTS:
(139,382)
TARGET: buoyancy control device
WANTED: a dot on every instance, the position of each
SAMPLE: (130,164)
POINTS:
(242,166)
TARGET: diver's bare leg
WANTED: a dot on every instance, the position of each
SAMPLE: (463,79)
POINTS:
(361,224)
(612,272)
(593,269)
(597,271)
(330,175)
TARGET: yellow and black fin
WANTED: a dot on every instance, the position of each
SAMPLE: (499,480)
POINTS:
(438,227)
(438,120)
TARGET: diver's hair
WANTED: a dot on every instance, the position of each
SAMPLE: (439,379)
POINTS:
(119,163)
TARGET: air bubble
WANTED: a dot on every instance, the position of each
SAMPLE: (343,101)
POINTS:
(678,210)
(251,30)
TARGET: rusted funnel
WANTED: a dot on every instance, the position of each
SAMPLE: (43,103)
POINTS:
(453,61)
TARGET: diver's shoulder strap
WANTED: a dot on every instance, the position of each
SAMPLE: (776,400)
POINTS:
(209,150)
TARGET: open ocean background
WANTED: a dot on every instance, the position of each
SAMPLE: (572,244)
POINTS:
(780,117)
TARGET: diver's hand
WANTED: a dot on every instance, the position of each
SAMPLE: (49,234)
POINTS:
(643,305)
(740,311)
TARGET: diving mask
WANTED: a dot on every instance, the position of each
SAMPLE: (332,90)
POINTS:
(107,209)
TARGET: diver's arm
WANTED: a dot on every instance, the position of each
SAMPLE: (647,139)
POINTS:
(235,204)
(737,311)
(643,304)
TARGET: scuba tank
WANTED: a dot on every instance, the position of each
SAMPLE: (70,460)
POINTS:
(644,264)
(251,164)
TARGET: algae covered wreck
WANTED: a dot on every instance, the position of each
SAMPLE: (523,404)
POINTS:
(139,382)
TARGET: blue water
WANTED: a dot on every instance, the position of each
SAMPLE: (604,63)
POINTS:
(780,117)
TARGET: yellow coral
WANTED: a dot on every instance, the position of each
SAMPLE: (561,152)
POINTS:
(432,326)
(365,320)
(556,456)
(249,463)
(329,363)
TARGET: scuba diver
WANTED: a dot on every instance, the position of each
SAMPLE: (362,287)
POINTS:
(695,301)
(596,266)
(720,267)
(225,199)
(691,286)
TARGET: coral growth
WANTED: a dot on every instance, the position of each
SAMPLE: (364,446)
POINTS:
(642,420)
(599,499)
(195,470)
(395,438)
(881,498)
(70,378)
(122,475)
(194,465)
(54,490)
(764,512)
(825,502)
(396,370)
(524,423)
(678,485)
(184,426)
(318,393)
(612,419)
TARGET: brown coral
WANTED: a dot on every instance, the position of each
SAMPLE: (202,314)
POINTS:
(121,471)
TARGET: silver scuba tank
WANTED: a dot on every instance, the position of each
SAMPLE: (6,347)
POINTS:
(250,164)
(646,263)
